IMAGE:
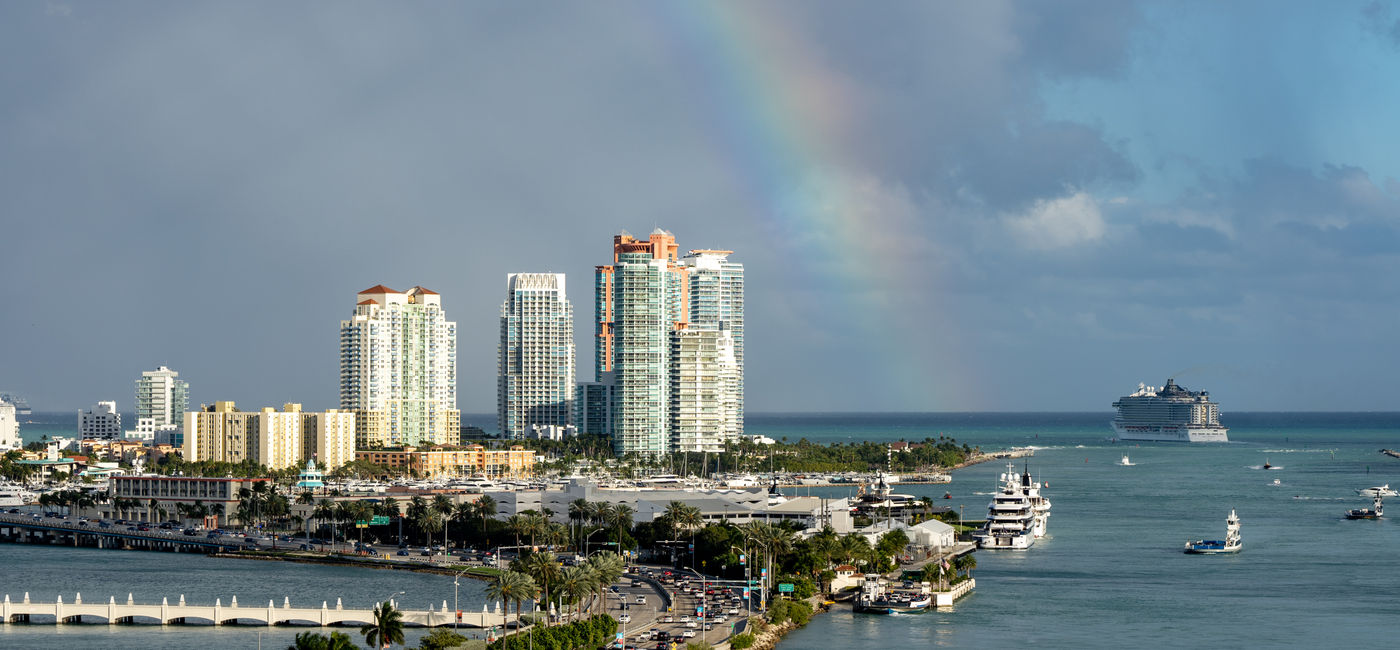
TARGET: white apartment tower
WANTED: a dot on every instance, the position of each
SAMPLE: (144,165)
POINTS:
(9,427)
(535,358)
(716,301)
(161,401)
(398,369)
(101,422)
(704,389)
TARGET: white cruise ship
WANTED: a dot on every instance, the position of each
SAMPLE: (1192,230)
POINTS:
(1170,413)
(1011,517)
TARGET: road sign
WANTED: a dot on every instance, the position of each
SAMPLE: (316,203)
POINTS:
(785,587)
(763,572)
(743,559)
(746,593)
(619,637)
(379,520)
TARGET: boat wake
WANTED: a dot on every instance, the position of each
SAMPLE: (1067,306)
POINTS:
(1270,468)
(983,494)
(1299,497)
(1300,451)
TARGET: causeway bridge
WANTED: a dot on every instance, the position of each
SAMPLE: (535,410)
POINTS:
(29,528)
(180,613)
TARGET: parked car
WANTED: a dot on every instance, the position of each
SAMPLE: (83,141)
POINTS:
(641,600)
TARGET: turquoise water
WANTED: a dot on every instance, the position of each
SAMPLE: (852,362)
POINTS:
(1111,573)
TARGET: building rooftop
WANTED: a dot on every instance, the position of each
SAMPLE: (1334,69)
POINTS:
(379,288)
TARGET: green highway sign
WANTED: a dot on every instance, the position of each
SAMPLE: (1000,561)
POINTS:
(785,587)
(379,520)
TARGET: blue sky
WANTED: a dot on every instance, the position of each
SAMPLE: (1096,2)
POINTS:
(1067,198)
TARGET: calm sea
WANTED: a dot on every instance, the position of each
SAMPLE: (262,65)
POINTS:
(1111,573)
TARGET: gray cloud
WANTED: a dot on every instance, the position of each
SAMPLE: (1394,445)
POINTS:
(208,185)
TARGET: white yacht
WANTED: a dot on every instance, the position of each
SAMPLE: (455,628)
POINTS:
(1039,504)
(1125,462)
(13,495)
(1011,517)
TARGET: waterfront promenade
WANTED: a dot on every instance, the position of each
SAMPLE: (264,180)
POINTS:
(180,613)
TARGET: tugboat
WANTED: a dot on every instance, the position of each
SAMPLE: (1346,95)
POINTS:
(1375,512)
(1231,543)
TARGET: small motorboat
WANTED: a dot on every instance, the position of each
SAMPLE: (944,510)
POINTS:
(1267,465)
(947,495)
(1277,483)
(1375,512)
(1378,491)
(1125,462)
(1231,543)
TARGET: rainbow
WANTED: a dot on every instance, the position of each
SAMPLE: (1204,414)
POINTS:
(787,127)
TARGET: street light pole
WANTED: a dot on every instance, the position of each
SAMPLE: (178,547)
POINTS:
(456,613)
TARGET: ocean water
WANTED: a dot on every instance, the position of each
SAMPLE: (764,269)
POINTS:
(1110,574)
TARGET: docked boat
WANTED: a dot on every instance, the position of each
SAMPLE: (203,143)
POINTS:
(13,495)
(1011,517)
(1170,414)
(1376,511)
(1231,543)
(1125,462)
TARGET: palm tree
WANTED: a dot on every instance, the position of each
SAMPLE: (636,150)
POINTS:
(386,628)
(574,583)
(325,512)
(442,505)
(430,523)
(361,511)
(342,514)
(314,641)
(543,568)
(621,518)
(578,511)
(516,524)
(606,567)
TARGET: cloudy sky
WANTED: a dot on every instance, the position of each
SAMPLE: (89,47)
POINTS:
(941,206)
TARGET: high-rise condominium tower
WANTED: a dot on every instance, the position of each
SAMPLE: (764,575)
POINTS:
(398,369)
(716,301)
(161,401)
(668,389)
(535,360)
(640,301)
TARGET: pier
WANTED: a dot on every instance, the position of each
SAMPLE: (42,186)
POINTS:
(164,613)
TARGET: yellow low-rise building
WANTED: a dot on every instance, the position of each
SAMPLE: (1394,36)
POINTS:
(473,460)
(269,437)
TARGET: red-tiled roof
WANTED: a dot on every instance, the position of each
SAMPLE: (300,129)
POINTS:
(423,290)
(367,302)
(379,288)
(846,567)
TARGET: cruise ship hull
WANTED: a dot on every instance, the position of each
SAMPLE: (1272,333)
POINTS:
(1170,433)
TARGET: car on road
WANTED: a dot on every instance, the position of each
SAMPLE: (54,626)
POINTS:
(692,624)
(403,552)
(625,618)
(733,611)
(669,619)
(641,600)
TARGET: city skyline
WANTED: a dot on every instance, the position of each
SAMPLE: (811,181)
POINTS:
(1000,206)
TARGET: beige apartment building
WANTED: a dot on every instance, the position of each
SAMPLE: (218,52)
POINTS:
(269,437)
